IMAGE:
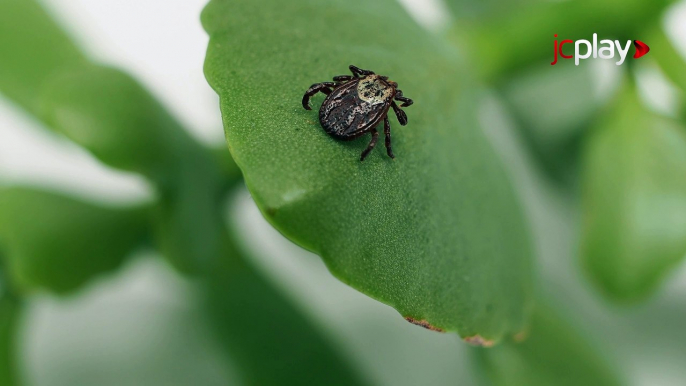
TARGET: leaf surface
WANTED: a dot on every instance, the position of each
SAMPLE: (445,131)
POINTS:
(436,233)
(10,309)
(32,48)
(109,113)
(634,199)
(58,243)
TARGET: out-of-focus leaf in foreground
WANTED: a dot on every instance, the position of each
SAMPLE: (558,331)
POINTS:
(436,233)
(32,49)
(634,199)
(58,243)
(110,114)
(552,353)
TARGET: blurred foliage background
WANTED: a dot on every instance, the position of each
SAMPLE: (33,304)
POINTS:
(185,283)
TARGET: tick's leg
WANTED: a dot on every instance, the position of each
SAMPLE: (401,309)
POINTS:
(315,88)
(387,132)
(406,101)
(360,72)
(372,143)
(343,78)
(402,117)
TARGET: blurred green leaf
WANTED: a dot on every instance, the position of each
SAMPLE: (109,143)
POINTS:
(553,107)
(436,233)
(32,49)
(667,57)
(553,353)
(470,9)
(8,326)
(271,340)
(502,43)
(113,116)
(634,199)
(58,243)
(109,113)
(9,316)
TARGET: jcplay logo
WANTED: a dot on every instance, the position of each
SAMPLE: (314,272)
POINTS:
(605,49)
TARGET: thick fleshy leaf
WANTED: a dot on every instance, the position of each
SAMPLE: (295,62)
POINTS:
(552,353)
(58,243)
(634,199)
(32,49)
(437,233)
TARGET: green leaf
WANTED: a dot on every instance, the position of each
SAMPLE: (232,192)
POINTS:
(58,243)
(436,233)
(667,57)
(8,342)
(553,108)
(270,339)
(468,9)
(552,353)
(32,48)
(109,113)
(113,116)
(634,199)
(10,309)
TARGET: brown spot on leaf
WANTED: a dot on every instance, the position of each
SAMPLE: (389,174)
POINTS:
(423,323)
(478,340)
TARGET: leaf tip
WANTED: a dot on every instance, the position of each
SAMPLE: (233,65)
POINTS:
(424,323)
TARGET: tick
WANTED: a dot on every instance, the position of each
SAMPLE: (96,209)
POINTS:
(356,104)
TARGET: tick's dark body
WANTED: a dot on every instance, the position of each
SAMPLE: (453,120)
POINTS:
(356,104)
(345,116)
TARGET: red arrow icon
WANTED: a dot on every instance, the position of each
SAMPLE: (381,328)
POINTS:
(641,49)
